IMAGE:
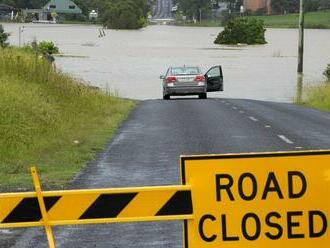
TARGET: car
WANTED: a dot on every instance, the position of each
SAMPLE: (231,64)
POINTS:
(189,80)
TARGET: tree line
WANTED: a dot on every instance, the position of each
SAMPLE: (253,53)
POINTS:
(120,14)
(193,8)
(292,6)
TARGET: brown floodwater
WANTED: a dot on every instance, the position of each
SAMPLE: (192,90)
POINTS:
(130,62)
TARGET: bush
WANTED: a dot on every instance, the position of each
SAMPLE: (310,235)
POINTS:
(242,30)
(327,72)
(3,37)
(47,47)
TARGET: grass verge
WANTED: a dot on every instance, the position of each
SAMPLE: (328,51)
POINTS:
(49,119)
(319,97)
(320,19)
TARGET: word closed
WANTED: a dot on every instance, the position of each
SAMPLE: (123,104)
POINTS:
(259,200)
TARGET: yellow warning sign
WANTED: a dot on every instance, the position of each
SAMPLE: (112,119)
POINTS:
(259,200)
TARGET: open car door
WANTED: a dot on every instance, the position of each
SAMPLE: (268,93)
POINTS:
(214,79)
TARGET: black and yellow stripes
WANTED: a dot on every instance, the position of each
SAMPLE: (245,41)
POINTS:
(97,206)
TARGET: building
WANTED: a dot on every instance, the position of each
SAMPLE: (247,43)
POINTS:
(255,5)
(62,7)
(52,9)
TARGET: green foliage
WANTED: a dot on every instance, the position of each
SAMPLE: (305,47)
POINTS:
(191,8)
(3,37)
(327,72)
(22,4)
(43,47)
(125,14)
(49,119)
(47,47)
(285,6)
(242,30)
(292,6)
(318,96)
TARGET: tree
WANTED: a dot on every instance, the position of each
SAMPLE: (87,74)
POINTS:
(125,14)
(192,8)
(285,6)
(242,30)
(22,4)
(3,37)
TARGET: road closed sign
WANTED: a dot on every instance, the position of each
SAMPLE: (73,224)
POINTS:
(258,200)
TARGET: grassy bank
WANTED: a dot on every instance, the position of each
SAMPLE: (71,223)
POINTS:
(51,120)
(319,97)
(319,19)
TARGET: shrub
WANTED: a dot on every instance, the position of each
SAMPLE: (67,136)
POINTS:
(327,72)
(47,47)
(242,30)
(3,37)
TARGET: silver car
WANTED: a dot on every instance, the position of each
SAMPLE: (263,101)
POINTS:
(189,80)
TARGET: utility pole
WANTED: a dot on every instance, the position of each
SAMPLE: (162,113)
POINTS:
(19,36)
(301,38)
(20,33)
(200,15)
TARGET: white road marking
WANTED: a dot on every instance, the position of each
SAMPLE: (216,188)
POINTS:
(252,118)
(326,117)
(285,139)
(227,103)
(268,126)
(242,112)
(234,107)
(223,101)
(299,147)
(5,231)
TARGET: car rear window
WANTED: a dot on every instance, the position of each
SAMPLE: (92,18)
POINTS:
(185,71)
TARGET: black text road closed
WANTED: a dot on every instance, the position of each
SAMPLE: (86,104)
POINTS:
(259,200)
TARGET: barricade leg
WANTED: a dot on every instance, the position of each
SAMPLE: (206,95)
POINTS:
(45,220)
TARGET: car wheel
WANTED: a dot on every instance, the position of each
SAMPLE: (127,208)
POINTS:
(203,96)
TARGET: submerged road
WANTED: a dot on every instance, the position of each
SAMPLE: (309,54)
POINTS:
(146,150)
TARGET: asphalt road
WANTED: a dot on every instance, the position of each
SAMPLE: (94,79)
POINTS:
(146,149)
(163,9)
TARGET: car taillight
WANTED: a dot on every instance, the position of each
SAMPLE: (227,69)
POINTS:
(170,79)
(200,78)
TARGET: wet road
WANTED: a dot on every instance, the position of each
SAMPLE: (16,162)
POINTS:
(163,9)
(146,149)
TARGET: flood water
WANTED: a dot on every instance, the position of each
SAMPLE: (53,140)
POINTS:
(130,62)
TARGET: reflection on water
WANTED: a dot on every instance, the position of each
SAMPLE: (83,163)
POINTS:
(130,62)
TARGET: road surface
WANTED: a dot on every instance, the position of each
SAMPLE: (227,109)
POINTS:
(146,149)
(163,10)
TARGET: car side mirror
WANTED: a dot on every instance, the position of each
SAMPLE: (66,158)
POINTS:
(162,77)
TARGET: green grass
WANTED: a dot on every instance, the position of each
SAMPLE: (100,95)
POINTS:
(50,120)
(318,97)
(319,19)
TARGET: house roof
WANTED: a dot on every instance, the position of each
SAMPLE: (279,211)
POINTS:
(62,6)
